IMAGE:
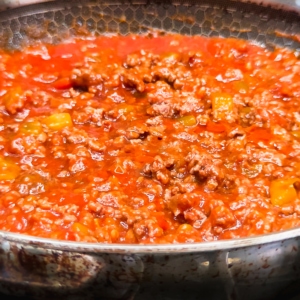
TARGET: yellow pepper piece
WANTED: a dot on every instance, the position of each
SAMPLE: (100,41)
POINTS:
(34,128)
(97,223)
(125,108)
(114,234)
(296,133)
(283,192)
(188,121)
(241,86)
(8,169)
(245,110)
(58,121)
(80,229)
(222,104)
(130,237)
(185,229)
(171,57)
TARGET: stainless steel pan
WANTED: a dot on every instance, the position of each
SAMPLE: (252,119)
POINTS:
(262,267)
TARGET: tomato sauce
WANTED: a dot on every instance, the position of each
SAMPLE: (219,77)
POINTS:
(149,139)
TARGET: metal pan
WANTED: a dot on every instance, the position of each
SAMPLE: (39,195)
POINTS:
(262,267)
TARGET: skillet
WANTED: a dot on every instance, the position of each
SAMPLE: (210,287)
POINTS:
(261,267)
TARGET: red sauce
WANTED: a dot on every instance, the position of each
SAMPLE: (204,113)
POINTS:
(149,140)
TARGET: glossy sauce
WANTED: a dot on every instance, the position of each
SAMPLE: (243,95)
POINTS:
(139,139)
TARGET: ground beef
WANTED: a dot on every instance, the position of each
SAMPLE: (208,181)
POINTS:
(161,139)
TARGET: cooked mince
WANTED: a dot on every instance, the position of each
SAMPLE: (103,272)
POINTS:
(139,139)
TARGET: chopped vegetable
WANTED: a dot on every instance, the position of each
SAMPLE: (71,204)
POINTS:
(296,134)
(8,169)
(215,127)
(283,192)
(171,57)
(185,228)
(260,134)
(125,108)
(63,83)
(34,128)
(241,86)
(222,104)
(188,120)
(80,229)
(245,110)
(58,121)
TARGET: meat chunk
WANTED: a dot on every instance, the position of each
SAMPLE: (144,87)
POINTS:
(137,132)
(222,216)
(133,79)
(143,58)
(147,229)
(89,115)
(205,167)
(28,145)
(159,169)
(75,136)
(85,77)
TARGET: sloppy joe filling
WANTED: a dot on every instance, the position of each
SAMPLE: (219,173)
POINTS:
(149,139)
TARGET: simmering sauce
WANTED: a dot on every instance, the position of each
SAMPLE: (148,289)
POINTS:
(139,139)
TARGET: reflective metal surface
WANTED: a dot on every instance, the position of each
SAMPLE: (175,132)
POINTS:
(289,4)
(262,267)
(8,4)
